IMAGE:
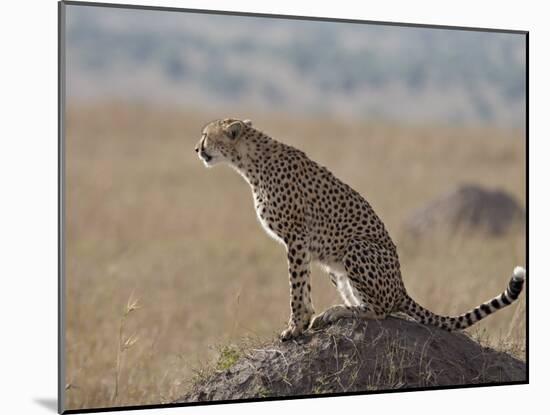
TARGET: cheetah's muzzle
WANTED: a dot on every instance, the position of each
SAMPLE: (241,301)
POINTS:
(205,156)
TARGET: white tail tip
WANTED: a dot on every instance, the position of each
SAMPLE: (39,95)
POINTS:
(519,273)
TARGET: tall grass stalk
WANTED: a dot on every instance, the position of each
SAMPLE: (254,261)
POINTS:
(124,344)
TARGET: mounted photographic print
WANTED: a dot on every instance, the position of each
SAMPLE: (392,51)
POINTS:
(259,207)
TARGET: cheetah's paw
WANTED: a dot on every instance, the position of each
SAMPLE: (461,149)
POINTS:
(330,316)
(290,333)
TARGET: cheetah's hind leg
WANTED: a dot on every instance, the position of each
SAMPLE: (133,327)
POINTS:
(337,312)
(342,284)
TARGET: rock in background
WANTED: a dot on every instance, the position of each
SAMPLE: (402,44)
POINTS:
(470,208)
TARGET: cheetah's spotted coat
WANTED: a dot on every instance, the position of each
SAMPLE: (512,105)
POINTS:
(319,218)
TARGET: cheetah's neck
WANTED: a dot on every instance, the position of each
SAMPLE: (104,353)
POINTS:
(252,155)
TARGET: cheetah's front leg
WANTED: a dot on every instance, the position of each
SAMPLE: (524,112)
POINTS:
(301,307)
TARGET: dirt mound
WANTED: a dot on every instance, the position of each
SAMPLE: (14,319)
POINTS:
(469,207)
(354,355)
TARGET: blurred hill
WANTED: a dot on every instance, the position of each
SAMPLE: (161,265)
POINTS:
(468,208)
(213,62)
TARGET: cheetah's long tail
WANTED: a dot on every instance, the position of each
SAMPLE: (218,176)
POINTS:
(425,316)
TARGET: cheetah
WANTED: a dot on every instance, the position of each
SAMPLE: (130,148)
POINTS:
(320,219)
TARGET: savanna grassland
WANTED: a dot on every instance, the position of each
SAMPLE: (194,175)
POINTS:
(165,260)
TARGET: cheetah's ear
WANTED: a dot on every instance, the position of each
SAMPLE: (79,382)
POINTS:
(248,123)
(234,129)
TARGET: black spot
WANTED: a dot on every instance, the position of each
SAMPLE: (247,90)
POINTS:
(486,309)
(478,314)
(514,289)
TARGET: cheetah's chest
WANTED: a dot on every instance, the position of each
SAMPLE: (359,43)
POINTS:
(262,215)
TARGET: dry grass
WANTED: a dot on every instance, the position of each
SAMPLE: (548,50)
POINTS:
(145,217)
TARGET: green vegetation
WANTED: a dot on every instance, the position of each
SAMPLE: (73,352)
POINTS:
(228,357)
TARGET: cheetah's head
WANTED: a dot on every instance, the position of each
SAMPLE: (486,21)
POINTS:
(219,140)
